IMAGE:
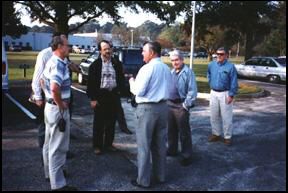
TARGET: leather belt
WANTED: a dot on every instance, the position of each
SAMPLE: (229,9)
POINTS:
(52,102)
(219,90)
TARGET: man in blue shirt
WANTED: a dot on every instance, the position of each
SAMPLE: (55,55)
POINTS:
(222,79)
(151,90)
(183,93)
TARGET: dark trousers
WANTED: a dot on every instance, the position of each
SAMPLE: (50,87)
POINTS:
(120,117)
(104,120)
(41,127)
(178,124)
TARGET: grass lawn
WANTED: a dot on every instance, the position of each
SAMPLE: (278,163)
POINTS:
(199,66)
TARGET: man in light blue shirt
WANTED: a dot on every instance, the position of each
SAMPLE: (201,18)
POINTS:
(183,93)
(222,78)
(151,90)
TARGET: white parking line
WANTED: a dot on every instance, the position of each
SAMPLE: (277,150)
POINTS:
(78,89)
(28,113)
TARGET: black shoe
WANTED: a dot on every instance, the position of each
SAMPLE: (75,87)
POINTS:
(127,131)
(186,161)
(111,148)
(66,188)
(134,183)
(171,154)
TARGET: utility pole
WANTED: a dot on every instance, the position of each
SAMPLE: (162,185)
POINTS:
(132,38)
(192,35)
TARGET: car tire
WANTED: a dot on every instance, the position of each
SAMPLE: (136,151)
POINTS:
(273,78)
(81,79)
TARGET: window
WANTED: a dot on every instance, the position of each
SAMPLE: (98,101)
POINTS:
(252,62)
(267,62)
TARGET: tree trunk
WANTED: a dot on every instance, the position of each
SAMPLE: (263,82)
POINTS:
(248,45)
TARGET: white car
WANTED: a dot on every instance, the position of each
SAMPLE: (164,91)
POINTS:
(84,66)
(4,70)
(271,68)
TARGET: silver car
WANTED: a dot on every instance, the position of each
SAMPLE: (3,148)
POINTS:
(272,69)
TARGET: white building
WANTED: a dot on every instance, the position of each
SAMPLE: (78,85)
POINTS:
(39,41)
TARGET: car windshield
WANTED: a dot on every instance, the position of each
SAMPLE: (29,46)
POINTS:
(133,57)
(281,61)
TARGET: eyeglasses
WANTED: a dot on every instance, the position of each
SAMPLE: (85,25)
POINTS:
(220,54)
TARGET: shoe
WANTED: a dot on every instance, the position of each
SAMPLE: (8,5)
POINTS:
(127,131)
(134,183)
(214,138)
(227,142)
(186,162)
(97,151)
(171,154)
(111,148)
(66,188)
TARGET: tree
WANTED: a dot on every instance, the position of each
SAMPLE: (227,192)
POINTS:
(11,24)
(244,17)
(58,13)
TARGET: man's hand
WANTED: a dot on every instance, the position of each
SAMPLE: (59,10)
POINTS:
(94,104)
(131,80)
(74,67)
(63,106)
(229,99)
(39,103)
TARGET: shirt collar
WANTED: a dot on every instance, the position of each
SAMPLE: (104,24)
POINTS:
(222,63)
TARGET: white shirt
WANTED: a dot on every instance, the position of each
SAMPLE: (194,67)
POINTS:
(42,59)
(151,83)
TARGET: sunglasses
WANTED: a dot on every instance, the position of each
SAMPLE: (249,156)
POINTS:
(220,54)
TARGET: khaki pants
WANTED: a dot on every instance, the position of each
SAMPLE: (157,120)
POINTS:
(55,146)
(221,112)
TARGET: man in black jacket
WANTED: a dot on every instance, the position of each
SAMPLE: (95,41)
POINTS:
(105,82)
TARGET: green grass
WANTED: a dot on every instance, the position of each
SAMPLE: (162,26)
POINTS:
(199,66)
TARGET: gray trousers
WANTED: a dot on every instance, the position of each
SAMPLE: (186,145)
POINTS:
(151,135)
(178,124)
(221,112)
(55,146)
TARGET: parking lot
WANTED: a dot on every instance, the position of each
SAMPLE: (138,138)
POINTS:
(255,161)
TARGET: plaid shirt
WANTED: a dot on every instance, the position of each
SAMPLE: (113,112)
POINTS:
(108,76)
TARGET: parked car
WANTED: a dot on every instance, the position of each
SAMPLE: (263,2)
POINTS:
(131,59)
(15,48)
(84,66)
(272,69)
(201,55)
(4,70)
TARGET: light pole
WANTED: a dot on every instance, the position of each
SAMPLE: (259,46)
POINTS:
(192,35)
(131,37)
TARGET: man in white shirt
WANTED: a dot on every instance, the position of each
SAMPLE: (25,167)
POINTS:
(151,90)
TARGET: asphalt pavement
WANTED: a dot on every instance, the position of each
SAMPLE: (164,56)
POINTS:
(255,161)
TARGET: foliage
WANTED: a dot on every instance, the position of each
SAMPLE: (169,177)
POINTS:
(11,24)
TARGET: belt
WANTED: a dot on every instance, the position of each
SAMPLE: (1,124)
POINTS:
(176,101)
(219,90)
(52,102)
(162,101)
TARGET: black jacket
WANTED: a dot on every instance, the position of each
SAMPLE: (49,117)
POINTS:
(94,78)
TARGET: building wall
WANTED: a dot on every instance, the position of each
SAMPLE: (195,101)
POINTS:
(40,41)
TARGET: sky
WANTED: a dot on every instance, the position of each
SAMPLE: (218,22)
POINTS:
(132,19)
